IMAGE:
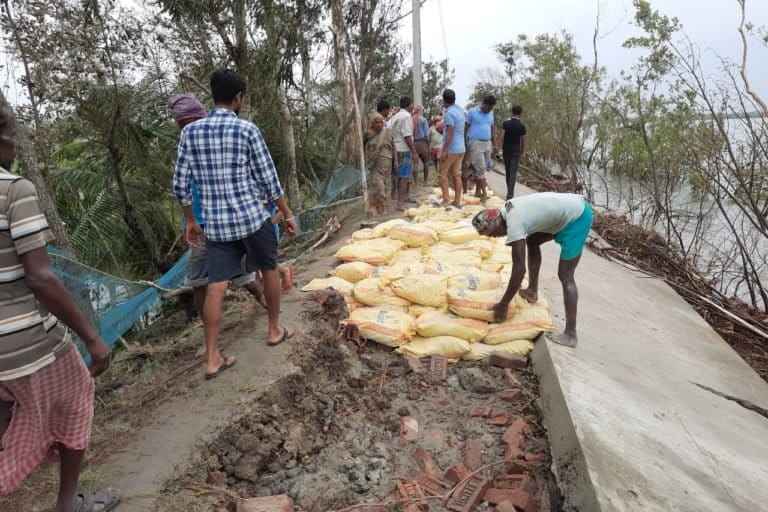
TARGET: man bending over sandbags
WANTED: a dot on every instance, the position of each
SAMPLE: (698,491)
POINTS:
(531,221)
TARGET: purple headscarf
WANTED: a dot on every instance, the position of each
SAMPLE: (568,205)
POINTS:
(186,106)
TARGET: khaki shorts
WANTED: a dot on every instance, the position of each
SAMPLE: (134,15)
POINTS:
(480,152)
(451,166)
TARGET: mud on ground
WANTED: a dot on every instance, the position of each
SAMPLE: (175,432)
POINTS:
(330,436)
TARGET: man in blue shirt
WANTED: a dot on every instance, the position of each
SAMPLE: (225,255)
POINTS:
(453,149)
(480,144)
(421,141)
(231,165)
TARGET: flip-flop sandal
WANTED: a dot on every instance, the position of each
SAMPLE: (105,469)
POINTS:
(101,501)
(286,336)
(226,365)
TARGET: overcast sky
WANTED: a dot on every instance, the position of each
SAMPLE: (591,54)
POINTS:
(472,28)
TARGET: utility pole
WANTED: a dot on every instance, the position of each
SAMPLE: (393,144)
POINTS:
(417,94)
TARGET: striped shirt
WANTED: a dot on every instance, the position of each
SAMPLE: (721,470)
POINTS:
(231,165)
(30,337)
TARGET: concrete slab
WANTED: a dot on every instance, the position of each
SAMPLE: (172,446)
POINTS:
(629,427)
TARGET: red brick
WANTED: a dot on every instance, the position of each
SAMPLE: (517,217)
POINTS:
(411,491)
(281,503)
(482,411)
(511,395)
(494,495)
(510,380)
(505,506)
(434,439)
(499,420)
(472,455)
(512,453)
(516,466)
(424,460)
(414,365)
(536,458)
(515,435)
(523,482)
(468,495)
(457,473)
(521,502)
(442,396)
(438,368)
(433,486)
(507,360)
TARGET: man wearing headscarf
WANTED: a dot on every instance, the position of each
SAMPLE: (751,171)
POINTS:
(529,221)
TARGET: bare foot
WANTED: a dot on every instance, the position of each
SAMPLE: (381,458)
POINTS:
(567,340)
(529,295)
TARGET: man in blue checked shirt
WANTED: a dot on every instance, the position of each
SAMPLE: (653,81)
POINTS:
(229,161)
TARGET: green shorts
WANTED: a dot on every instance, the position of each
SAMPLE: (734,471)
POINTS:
(574,235)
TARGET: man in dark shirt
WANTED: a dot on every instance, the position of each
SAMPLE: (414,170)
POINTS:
(513,147)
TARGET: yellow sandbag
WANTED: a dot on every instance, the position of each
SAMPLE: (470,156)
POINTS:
(362,234)
(352,303)
(337,283)
(474,281)
(523,303)
(427,290)
(438,225)
(452,257)
(476,304)
(383,325)
(493,268)
(383,229)
(376,252)
(412,212)
(484,247)
(481,351)
(353,271)
(524,324)
(399,269)
(435,267)
(438,193)
(371,293)
(445,324)
(413,234)
(470,200)
(448,346)
(417,310)
(459,235)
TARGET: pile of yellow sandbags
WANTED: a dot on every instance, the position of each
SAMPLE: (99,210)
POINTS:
(428,286)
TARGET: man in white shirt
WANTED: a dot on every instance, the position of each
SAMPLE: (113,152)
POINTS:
(529,221)
(401,127)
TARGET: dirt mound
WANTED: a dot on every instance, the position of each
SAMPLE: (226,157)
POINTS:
(330,437)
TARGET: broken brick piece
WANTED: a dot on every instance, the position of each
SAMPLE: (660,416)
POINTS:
(522,482)
(520,501)
(411,491)
(438,368)
(424,461)
(457,473)
(507,360)
(468,495)
(499,420)
(414,365)
(442,396)
(482,411)
(510,380)
(511,395)
(281,503)
(432,485)
(409,428)
(494,495)
(472,454)
(515,434)
(512,453)
(434,439)
(537,458)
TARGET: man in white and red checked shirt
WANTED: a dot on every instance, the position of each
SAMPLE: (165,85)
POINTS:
(233,170)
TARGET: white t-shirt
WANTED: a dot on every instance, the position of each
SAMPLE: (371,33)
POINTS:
(401,126)
(545,212)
